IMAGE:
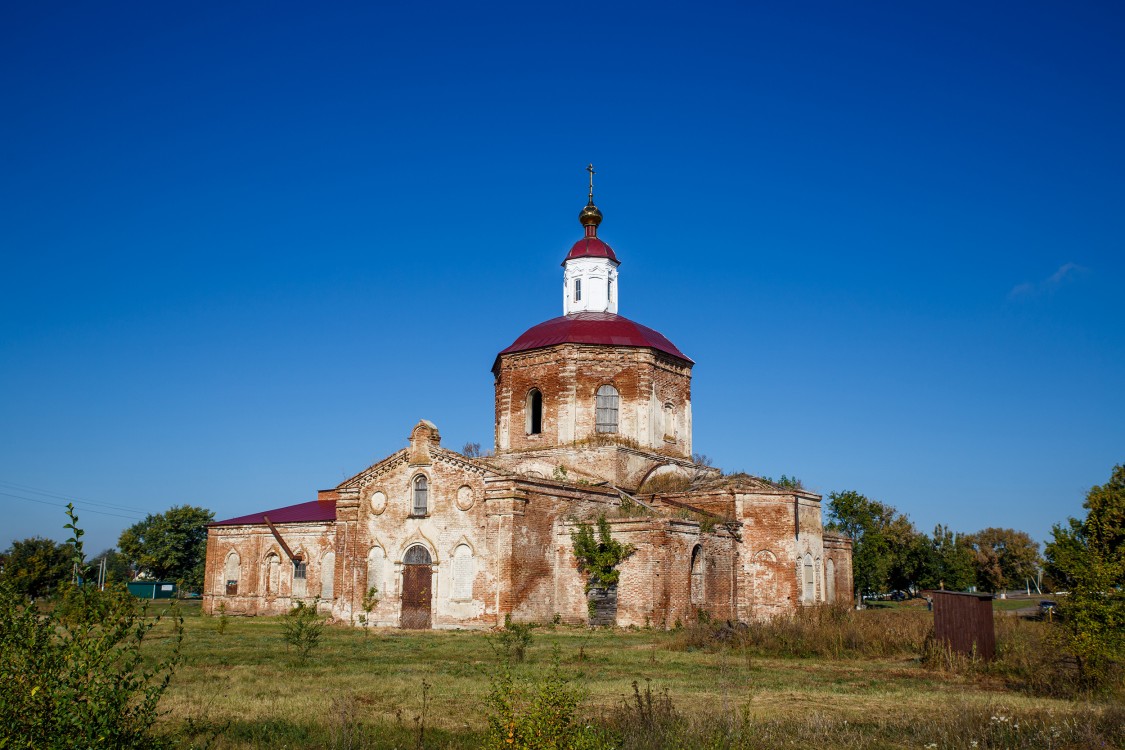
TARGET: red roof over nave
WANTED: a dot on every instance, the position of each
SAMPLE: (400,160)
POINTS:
(314,510)
(593,328)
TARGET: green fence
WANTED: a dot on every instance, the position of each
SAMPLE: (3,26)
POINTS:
(153,589)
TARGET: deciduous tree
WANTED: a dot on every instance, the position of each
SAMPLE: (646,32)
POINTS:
(171,545)
(883,541)
(949,562)
(1088,557)
(36,566)
(1004,558)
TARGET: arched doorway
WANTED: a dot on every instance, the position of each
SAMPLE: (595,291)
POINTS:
(417,580)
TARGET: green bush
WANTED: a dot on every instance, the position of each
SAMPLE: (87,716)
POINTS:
(514,639)
(538,715)
(302,629)
(73,675)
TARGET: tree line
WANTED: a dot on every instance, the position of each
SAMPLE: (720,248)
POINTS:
(168,546)
(889,553)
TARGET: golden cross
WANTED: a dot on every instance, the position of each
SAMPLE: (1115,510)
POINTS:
(590,169)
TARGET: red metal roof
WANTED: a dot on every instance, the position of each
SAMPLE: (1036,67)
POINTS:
(593,328)
(591,247)
(314,510)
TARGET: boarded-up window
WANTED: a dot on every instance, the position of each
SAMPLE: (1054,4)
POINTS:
(375,562)
(328,576)
(421,496)
(809,594)
(607,406)
(462,573)
(272,574)
(830,579)
(697,575)
(230,573)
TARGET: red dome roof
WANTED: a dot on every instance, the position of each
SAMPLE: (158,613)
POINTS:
(593,328)
(590,247)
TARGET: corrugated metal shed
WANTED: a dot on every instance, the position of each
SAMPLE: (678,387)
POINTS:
(964,621)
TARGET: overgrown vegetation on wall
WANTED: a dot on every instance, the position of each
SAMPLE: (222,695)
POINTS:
(599,557)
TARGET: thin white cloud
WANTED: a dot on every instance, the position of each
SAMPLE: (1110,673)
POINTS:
(1066,272)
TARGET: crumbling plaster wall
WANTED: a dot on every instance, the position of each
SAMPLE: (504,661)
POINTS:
(254,544)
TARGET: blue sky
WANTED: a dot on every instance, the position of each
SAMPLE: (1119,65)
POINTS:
(247,246)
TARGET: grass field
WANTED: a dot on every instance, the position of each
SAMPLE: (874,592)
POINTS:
(244,689)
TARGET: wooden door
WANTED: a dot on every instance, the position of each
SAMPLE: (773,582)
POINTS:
(416,596)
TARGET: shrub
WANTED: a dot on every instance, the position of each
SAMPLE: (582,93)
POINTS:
(74,675)
(302,629)
(537,715)
(222,620)
(514,639)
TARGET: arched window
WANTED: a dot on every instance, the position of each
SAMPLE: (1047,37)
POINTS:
(534,412)
(578,290)
(421,496)
(809,593)
(697,575)
(328,576)
(609,291)
(230,573)
(462,589)
(272,574)
(607,400)
(669,422)
(375,563)
(417,555)
(830,579)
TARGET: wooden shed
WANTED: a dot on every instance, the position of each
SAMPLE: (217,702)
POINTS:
(964,621)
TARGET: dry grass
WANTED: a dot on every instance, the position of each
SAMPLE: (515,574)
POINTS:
(244,688)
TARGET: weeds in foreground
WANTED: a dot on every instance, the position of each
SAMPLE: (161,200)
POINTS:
(830,631)
(650,722)
(537,715)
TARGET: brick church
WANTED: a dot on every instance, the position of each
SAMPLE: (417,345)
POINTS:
(593,418)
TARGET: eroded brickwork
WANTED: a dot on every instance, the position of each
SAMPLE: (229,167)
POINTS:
(654,389)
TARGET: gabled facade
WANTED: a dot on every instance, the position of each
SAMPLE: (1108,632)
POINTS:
(593,417)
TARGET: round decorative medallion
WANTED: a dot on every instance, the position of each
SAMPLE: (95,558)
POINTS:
(378,502)
(464,497)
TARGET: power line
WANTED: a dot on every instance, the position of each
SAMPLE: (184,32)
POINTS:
(60,505)
(47,493)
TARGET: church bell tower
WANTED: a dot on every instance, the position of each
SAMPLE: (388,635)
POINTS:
(590,268)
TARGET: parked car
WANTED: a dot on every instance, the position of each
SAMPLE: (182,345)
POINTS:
(899,596)
(1047,608)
